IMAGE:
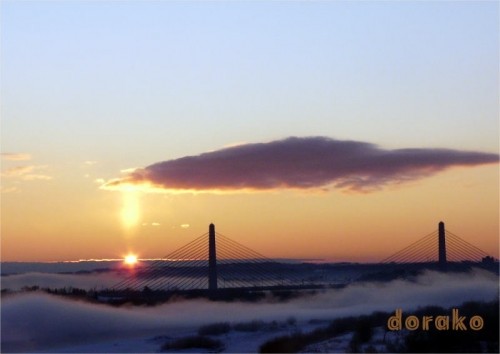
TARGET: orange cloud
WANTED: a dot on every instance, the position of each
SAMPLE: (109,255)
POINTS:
(26,173)
(9,156)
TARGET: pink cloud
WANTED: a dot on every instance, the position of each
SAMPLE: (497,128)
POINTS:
(300,163)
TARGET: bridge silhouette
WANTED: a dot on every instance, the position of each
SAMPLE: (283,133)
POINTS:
(439,246)
(213,261)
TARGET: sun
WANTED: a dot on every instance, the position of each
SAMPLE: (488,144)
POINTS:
(130,259)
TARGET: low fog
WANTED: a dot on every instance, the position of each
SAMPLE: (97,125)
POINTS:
(37,321)
(89,281)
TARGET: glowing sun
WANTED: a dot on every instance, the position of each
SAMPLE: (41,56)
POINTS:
(130,259)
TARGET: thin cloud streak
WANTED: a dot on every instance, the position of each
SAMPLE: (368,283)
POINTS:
(12,156)
(298,163)
(26,173)
(18,171)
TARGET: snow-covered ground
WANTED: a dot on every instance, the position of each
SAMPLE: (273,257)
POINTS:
(234,341)
(338,344)
(341,343)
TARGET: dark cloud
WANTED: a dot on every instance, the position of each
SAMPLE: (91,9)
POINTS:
(300,163)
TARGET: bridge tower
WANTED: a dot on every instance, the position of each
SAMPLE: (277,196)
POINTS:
(441,245)
(212,260)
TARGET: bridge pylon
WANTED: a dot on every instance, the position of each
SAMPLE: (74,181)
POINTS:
(441,245)
(212,260)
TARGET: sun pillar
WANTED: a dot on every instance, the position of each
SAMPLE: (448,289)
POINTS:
(212,260)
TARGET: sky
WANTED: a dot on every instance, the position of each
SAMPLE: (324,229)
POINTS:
(314,130)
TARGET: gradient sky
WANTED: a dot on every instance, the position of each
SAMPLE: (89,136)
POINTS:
(93,89)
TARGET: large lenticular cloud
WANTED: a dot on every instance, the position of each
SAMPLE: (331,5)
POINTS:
(300,163)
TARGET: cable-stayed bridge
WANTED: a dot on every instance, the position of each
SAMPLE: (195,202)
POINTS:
(439,246)
(213,262)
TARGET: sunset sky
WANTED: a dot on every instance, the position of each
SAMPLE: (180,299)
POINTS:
(341,131)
